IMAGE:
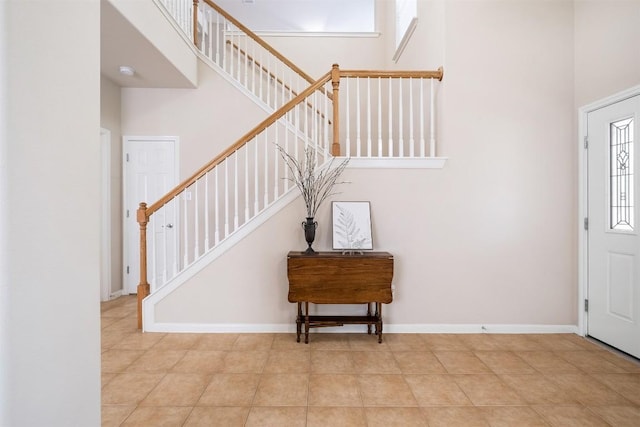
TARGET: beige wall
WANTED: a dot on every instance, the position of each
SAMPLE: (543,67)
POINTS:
(50,214)
(110,120)
(491,238)
(607,58)
(207,119)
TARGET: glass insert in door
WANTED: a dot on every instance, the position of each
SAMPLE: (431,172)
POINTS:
(621,162)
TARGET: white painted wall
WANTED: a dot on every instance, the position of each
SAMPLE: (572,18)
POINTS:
(110,119)
(50,214)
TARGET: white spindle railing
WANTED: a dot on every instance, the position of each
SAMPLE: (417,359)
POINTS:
(182,13)
(399,108)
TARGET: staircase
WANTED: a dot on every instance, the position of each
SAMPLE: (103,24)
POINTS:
(377,118)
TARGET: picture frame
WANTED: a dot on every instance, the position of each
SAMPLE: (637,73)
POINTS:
(351,223)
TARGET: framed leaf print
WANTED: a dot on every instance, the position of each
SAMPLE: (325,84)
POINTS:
(352,226)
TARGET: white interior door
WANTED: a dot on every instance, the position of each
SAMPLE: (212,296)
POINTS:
(150,171)
(613,314)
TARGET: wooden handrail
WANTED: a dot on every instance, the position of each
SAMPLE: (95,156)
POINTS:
(271,75)
(238,144)
(259,40)
(438,74)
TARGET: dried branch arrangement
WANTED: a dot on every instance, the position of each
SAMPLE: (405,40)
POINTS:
(315,184)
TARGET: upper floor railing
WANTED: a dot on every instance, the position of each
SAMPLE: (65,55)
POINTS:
(241,54)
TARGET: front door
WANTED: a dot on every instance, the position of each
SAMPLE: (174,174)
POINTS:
(150,171)
(613,314)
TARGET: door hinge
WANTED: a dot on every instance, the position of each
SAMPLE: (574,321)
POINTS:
(127,157)
(586,306)
(586,223)
(586,142)
(127,213)
(127,269)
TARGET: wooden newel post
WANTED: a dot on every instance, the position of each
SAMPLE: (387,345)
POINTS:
(195,22)
(143,287)
(335,82)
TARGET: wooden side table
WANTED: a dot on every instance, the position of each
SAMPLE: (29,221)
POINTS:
(337,278)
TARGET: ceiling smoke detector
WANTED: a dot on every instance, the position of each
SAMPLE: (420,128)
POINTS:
(126,70)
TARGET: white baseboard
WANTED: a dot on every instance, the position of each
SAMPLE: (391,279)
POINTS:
(116,294)
(388,328)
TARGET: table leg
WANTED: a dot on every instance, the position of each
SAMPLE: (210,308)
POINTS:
(306,322)
(379,321)
(369,315)
(299,322)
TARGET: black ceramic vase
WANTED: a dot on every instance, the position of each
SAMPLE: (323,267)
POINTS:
(309,227)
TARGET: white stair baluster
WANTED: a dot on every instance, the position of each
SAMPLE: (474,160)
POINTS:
(154,249)
(327,143)
(196,224)
(266,169)
(223,43)
(206,212)
(276,178)
(390,154)
(411,138)
(254,69)
(246,61)
(186,230)
(275,85)
(256,191)
(226,197)
(268,73)
(400,120)
(235,192)
(347,142)
(219,38)
(212,35)
(379,117)
(260,78)
(217,205)
(231,50)
(174,240)
(358,124)
(368,117)
(203,33)
(247,214)
(165,260)
(432,124)
(422,147)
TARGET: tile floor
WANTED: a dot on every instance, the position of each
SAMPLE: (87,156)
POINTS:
(336,380)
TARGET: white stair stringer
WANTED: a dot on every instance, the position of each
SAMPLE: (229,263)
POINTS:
(149,323)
